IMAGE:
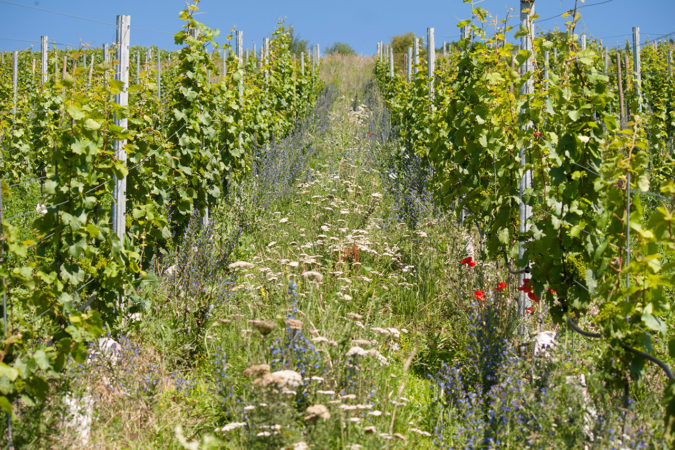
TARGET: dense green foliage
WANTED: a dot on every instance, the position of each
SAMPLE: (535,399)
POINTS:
(297,44)
(400,44)
(330,262)
(65,273)
(470,135)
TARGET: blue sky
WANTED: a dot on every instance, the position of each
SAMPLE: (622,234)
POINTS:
(359,23)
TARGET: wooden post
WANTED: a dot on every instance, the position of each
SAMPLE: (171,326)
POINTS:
(65,67)
(622,113)
(636,66)
(15,78)
(239,40)
(391,62)
(313,59)
(627,80)
(445,49)
(465,32)
(546,74)
(583,42)
(638,86)
(122,99)
(626,68)
(526,13)
(106,60)
(239,36)
(43,59)
(159,75)
(91,68)
(317,58)
(138,67)
(148,57)
(378,50)
(416,54)
(266,56)
(409,64)
(431,60)
(302,63)
(239,46)
(294,71)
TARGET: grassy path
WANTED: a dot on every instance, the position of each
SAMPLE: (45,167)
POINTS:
(308,273)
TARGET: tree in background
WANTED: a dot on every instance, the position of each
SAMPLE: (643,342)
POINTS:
(400,44)
(340,48)
(297,45)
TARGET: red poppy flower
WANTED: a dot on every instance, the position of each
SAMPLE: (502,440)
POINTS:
(480,295)
(369,133)
(472,264)
(529,310)
(468,260)
(531,295)
(552,291)
(536,134)
(525,287)
(500,286)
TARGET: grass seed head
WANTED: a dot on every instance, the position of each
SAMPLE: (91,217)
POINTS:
(265,327)
(257,370)
(317,411)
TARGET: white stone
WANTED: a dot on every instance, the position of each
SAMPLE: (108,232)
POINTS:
(107,349)
(79,416)
(543,341)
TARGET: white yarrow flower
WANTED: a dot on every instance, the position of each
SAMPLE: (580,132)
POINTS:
(240,265)
(312,275)
(230,427)
(281,379)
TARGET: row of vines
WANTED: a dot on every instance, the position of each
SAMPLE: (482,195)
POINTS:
(65,274)
(600,243)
